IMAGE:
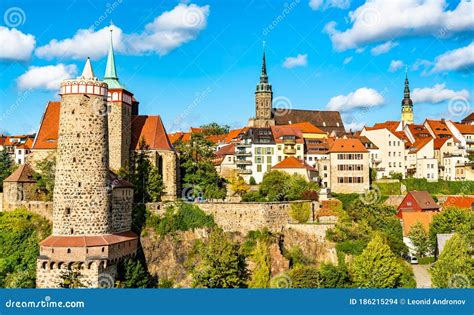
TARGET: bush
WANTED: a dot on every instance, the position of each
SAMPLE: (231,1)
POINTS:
(305,277)
(451,219)
(310,195)
(440,187)
(346,199)
(252,181)
(351,247)
(388,188)
(300,211)
(180,217)
(253,196)
(334,276)
(296,257)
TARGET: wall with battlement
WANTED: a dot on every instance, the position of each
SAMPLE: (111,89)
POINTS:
(242,216)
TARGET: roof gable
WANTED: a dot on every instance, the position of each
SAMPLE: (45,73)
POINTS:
(23,174)
(151,129)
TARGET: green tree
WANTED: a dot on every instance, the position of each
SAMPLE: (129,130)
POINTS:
(333,276)
(72,279)
(450,220)
(139,173)
(260,277)
(455,266)
(198,174)
(377,266)
(252,181)
(396,175)
(221,264)
(420,239)
(300,211)
(305,277)
(297,186)
(214,128)
(6,165)
(238,184)
(136,275)
(274,185)
(155,185)
(45,177)
(20,234)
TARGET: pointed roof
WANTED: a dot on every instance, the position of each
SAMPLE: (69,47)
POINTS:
(292,162)
(88,73)
(47,136)
(110,76)
(151,129)
(341,145)
(23,174)
(406,92)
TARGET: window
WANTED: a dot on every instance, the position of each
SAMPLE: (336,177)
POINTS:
(269,159)
(259,168)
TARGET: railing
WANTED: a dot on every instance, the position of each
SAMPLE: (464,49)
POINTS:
(244,171)
(243,153)
(243,145)
(243,162)
(289,150)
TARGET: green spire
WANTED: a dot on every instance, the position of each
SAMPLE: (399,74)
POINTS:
(110,76)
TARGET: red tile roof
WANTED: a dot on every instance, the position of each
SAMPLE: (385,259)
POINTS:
(292,162)
(173,137)
(234,133)
(225,150)
(465,129)
(390,125)
(439,142)
(47,137)
(23,174)
(307,127)
(459,201)
(287,130)
(346,145)
(88,240)
(152,130)
(419,144)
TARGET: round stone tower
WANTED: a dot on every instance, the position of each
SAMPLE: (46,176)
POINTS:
(90,234)
(81,204)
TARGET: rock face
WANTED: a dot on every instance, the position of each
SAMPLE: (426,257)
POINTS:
(311,239)
(167,256)
(277,261)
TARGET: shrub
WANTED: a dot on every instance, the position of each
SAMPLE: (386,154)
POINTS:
(296,257)
(305,277)
(310,195)
(253,196)
(252,181)
(180,217)
(300,211)
(388,188)
(346,199)
(351,247)
(334,276)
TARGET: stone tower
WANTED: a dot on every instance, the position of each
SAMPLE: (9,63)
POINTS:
(119,102)
(407,103)
(263,100)
(84,233)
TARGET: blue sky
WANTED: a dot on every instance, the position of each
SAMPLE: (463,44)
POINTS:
(206,69)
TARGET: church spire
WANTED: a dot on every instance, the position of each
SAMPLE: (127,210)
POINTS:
(110,76)
(263,75)
(406,92)
(87,72)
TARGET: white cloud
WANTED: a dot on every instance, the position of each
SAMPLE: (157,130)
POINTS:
(354,126)
(363,97)
(298,61)
(457,59)
(395,65)
(383,48)
(437,94)
(347,60)
(381,20)
(168,31)
(320,4)
(15,44)
(47,77)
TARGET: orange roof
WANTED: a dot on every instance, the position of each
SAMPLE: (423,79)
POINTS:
(419,144)
(307,127)
(418,131)
(287,130)
(390,125)
(459,201)
(439,142)
(292,162)
(23,174)
(346,145)
(217,138)
(225,150)
(234,133)
(410,218)
(173,137)
(152,130)
(89,240)
(439,127)
(464,129)
(47,137)
(27,145)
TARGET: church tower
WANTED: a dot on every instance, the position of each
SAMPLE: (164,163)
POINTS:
(120,103)
(85,236)
(263,100)
(407,104)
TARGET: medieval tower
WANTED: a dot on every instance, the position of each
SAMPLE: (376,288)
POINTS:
(120,103)
(90,233)
(263,100)
(407,103)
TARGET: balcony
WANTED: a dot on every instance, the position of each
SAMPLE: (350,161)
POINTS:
(376,161)
(380,168)
(243,162)
(469,140)
(244,171)
(243,153)
(289,151)
(243,145)
(289,141)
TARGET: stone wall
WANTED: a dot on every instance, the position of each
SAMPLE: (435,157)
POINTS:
(122,205)
(81,197)
(94,274)
(15,193)
(42,208)
(242,216)
(120,125)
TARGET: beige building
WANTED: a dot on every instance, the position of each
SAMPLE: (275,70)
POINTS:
(349,166)
(292,165)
